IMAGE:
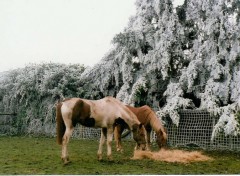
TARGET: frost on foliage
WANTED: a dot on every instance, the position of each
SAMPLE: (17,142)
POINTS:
(168,38)
(200,54)
(139,86)
(235,87)
(145,13)
(123,93)
(110,76)
(175,101)
(33,91)
(228,122)
(190,74)
(100,72)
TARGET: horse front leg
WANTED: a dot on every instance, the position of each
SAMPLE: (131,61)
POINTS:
(109,143)
(148,140)
(101,143)
(66,138)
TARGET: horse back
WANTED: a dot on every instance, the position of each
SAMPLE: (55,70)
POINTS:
(109,109)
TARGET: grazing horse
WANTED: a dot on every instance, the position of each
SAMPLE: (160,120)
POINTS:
(149,119)
(104,113)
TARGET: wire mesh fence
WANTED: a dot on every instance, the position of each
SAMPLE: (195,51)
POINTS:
(195,130)
(83,132)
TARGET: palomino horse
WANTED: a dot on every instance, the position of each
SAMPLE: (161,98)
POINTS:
(149,119)
(104,113)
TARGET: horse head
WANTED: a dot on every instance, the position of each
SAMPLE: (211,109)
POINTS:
(161,138)
(140,136)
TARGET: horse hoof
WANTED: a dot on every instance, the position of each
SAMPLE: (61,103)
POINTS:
(99,157)
(110,158)
(120,150)
(66,162)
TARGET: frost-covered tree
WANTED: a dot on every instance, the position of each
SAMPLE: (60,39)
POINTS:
(32,92)
(171,59)
(169,37)
(209,75)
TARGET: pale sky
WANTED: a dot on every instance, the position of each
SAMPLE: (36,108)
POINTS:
(61,31)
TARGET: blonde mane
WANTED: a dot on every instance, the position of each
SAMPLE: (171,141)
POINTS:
(156,123)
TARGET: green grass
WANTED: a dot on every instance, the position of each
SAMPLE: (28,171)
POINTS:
(26,155)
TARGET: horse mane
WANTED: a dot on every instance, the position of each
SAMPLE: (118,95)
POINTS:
(154,121)
(157,126)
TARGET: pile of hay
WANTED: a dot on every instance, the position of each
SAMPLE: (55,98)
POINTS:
(180,156)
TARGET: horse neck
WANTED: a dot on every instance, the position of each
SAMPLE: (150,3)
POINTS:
(131,119)
(128,116)
(155,122)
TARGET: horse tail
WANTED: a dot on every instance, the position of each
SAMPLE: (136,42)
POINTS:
(60,124)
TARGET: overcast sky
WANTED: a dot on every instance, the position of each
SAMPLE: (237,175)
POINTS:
(62,31)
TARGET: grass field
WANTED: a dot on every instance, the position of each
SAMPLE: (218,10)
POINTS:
(26,155)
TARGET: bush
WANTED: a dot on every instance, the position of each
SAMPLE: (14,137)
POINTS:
(33,91)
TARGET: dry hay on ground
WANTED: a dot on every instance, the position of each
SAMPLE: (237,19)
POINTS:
(180,156)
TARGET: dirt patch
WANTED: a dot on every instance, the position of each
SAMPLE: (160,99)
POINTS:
(180,156)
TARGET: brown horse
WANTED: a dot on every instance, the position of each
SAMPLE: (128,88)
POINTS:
(104,113)
(149,119)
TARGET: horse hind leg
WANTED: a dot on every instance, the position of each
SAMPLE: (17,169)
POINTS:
(117,136)
(101,143)
(66,138)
